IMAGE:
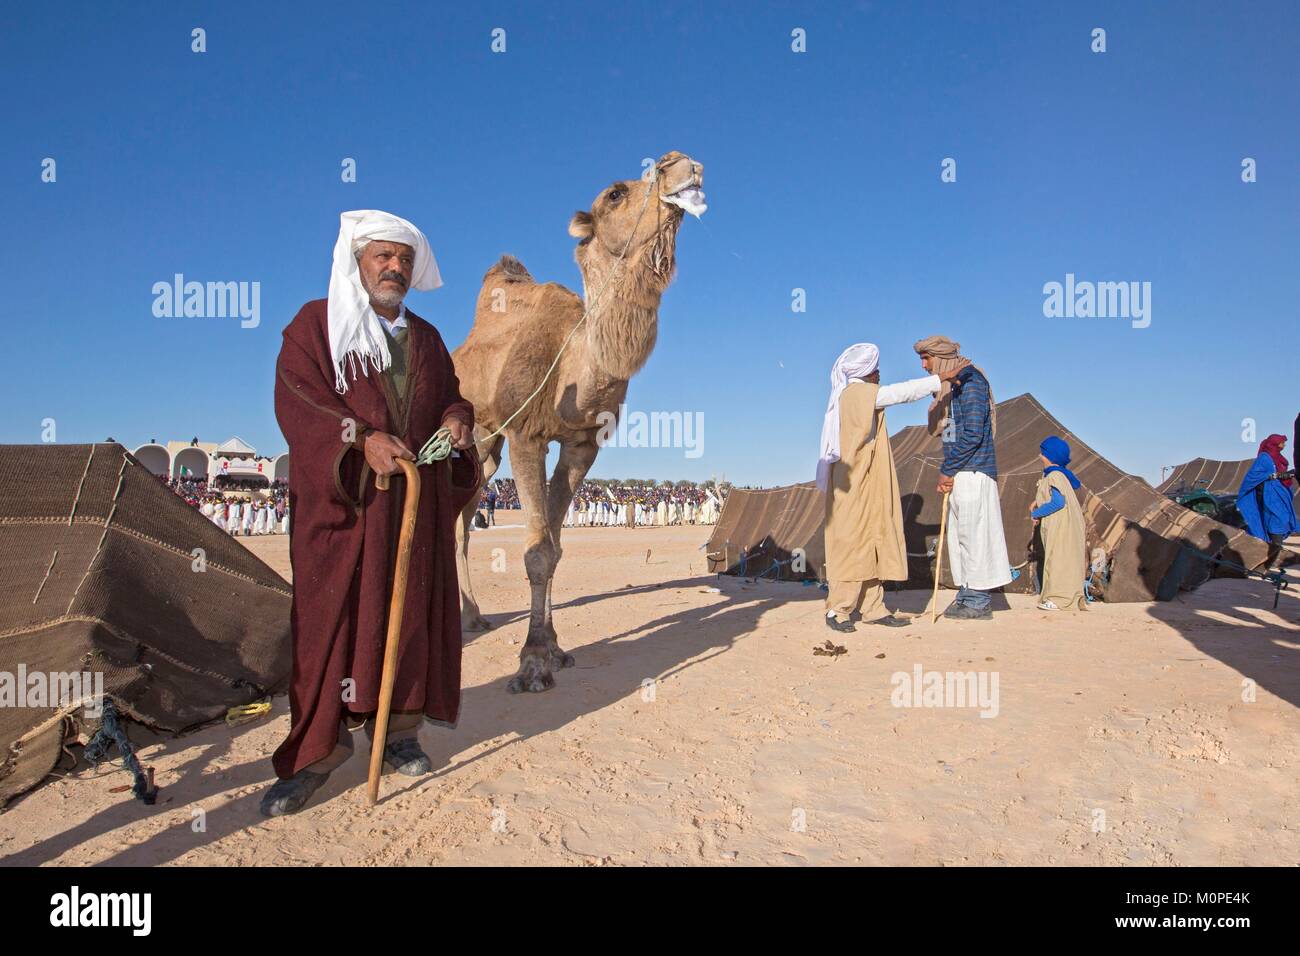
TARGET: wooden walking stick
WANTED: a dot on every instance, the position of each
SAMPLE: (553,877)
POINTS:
(938,560)
(396,605)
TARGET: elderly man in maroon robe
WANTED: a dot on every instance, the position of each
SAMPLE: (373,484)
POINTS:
(360,382)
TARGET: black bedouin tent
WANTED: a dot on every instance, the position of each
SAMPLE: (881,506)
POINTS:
(111,579)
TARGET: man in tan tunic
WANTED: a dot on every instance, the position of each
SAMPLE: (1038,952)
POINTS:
(864,514)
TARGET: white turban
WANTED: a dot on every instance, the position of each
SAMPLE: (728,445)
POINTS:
(855,362)
(356,337)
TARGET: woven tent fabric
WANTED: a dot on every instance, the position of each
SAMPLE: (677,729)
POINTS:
(1144,534)
(909,441)
(766,527)
(107,571)
(1220,477)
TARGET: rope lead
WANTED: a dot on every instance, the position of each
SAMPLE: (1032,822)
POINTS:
(436,448)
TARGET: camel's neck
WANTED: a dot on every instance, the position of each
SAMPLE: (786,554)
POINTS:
(623,320)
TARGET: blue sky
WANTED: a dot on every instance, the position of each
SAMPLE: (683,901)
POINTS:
(822,173)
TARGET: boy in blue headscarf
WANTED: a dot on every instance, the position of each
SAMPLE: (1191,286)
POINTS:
(1057,513)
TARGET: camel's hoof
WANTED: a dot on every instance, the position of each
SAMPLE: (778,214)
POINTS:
(476,623)
(534,684)
(535,670)
(534,673)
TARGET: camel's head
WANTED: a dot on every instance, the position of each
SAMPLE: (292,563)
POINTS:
(623,216)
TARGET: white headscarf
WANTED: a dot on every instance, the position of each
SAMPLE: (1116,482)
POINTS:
(855,362)
(356,337)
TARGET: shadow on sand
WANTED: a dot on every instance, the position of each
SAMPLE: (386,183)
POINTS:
(1238,632)
(607,671)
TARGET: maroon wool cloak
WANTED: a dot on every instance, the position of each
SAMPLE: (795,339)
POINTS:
(343,536)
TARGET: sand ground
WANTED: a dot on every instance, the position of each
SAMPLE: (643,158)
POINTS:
(698,727)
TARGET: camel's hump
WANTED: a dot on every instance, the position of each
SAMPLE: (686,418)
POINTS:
(509,269)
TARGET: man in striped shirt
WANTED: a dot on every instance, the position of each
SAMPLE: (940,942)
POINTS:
(963,414)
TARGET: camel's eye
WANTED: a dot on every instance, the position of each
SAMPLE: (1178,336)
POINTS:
(616,195)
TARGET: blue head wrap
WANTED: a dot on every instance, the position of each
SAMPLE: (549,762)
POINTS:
(1057,452)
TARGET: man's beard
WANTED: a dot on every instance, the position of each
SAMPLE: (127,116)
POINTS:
(387,298)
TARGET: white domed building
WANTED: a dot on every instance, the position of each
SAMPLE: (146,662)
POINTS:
(232,465)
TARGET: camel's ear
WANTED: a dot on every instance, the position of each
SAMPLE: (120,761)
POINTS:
(582,226)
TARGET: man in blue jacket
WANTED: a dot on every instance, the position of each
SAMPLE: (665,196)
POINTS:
(963,415)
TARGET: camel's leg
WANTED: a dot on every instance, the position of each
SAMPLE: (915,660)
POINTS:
(470,618)
(576,457)
(539,655)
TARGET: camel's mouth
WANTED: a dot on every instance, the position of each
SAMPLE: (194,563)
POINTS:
(689,197)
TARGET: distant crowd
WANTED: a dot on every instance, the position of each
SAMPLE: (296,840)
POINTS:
(265,512)
(613,503)
(596,504)
(500,493)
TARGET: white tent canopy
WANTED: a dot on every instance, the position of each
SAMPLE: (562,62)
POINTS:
(235,446)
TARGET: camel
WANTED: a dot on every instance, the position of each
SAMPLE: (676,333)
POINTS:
(626,254)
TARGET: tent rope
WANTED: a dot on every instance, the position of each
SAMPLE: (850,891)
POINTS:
(1278,578)
(110,733)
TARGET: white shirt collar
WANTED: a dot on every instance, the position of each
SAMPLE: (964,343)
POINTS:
(397,323)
